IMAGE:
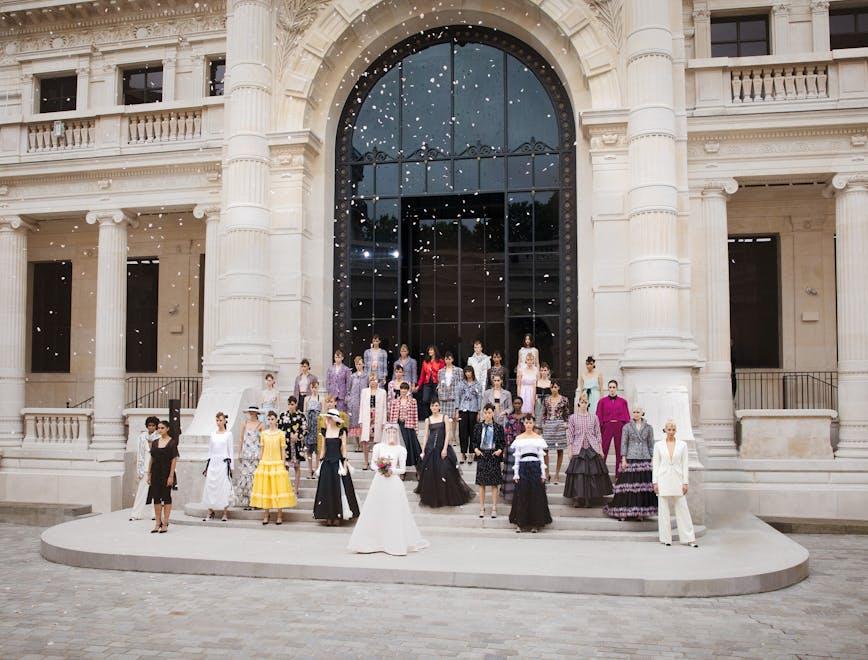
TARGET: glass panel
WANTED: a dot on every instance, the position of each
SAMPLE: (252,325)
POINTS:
(545,337)
(439,176)
(545,171)
(473,238)
(518,327)
(752,30)
(362,182)
(841,23)
(362,286)
(385,275)
(520,172)
(51,301)
(723,31)
(520,222)
(446,241)
(424,295)
(467,175)
(361,224)
(472,295)
(446,281)
(530,115)
(389,337)
(520,284)
(862,22)
(447,337)
(387,179)
(753,48)
(754,302)
(495,293)
(426,100)
(478,96)
(546,220)
(424,245)
(377,124)
(414,179)
(546,283)
(724,50)
(491,173)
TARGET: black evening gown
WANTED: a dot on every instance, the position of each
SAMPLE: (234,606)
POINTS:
(327,504)
(530,506)
(161,466)
(440,481)
(587,477)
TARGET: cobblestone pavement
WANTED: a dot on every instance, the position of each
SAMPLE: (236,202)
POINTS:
(49,610)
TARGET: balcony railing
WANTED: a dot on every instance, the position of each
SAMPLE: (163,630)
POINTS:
(165,126)
(60,428)
(157,391)
(60,136)
(801,390)
(738,85)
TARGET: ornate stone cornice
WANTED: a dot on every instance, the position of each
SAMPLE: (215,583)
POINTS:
(609,14)
(108,217)
(294,18)
(108,175)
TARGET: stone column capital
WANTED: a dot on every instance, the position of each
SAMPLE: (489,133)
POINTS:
(110,216)
(701,14)
(15,222)
(851,182)
(723,187)
(819,5)
(210,211)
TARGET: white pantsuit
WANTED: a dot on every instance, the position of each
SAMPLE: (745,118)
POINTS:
(369,434)
(670,476)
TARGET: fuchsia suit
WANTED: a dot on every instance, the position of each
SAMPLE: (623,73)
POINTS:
(613,413)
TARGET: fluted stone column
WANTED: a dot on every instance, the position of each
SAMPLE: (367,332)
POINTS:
(211,214)
(109,394)
(13,327)
(851,228)
(716,406)
(243,350)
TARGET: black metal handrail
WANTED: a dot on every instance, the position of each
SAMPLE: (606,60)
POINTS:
(156,391)
(87,403)
(796,390)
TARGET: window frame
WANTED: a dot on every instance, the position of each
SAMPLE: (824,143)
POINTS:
(50,77)
(155,359)
(737,20)
(856,12)
(145,69)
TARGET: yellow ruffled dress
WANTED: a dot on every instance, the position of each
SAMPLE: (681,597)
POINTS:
(271,486)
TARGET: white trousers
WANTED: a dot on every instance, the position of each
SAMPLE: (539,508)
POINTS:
(682,519)
(140,509)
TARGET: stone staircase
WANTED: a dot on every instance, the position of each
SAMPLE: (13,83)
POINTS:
(569,522)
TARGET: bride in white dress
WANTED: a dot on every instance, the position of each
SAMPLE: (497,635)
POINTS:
(386,523)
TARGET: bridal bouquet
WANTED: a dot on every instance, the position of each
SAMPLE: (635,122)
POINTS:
(384,466)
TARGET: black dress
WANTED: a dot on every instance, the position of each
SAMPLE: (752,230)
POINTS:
(488,465)
(161,467)
(440,482)
(530,506)
(327,504)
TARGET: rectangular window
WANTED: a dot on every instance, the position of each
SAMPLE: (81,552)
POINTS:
(739,36)
(58,94)
(143,85)
(216,73)
(51,316)
(754,301)
(143,280)
(848,28)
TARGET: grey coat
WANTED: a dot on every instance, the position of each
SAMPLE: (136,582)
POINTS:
(637,443)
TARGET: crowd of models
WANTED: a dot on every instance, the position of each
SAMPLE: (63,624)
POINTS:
(417,418)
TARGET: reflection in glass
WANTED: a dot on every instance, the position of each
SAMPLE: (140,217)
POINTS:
(478,90)
(425,103)
(377,124)
(530,115)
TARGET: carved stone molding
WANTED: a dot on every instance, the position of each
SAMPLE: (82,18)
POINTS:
(608,140)
(782,8)
(609,14)
(15,222)
(819,5)
(701,14)
(110,216)
(210,211)
(294,18)
(857,181)
(725,187)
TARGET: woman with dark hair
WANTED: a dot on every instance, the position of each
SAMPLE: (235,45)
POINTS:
(497,369)
(527,348)
(468,398)
(587,475)
(556,413)
(447,386)
(161,476)
(431,366)
(440,481)
(217,491)
(488,445)
(591,383)
(303,382)
(269,396)
(271,486)
(530,505)
(513,426)
(358,382)
(143,458)
(404,412)
(248,457)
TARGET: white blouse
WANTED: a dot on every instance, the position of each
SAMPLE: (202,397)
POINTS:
(529,444)
(220,446)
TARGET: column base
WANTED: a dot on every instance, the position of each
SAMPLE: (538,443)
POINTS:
(108,434)
(717,414)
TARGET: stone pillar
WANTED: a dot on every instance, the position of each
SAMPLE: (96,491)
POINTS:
(13,327)
(780,28)
(701,32)
(716,406)
(211,214)
(820,25)
(851,228)
(83,85)
(109,387)
(170,66)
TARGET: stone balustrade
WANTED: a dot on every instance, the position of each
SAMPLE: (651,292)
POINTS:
(61,135)
(769,83)
(164,126)
(57,427)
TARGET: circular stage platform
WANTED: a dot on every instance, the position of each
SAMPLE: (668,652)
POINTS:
(739,556)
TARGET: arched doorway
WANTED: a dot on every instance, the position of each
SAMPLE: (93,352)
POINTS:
(455,200)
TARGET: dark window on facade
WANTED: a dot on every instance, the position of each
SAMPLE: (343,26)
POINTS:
(58,94)
(143,85)
(848,28)
(143,280)
(455,189)
(51,315)
(754,301)
(216,73)
(739,36)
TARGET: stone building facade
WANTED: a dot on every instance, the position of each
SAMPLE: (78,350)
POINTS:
(692,136)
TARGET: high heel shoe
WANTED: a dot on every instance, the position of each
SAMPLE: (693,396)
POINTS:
(165,529)
(155,530)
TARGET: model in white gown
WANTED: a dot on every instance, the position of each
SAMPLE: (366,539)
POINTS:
(217,491)
(386,523)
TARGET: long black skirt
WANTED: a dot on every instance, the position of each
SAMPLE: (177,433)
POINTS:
(508,487)
(634,492)
(411,444)
(327,504)
(440,481)
(587,477)
(530,505)
(488,469)
(426,393)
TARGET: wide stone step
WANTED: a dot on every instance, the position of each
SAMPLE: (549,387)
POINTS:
(41,514)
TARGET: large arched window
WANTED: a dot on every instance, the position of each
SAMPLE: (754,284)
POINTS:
(454,201)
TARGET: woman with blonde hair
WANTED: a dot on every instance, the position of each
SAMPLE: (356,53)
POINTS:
(634,492)
(671,482)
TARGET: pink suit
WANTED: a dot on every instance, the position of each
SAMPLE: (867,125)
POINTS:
(613,413)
